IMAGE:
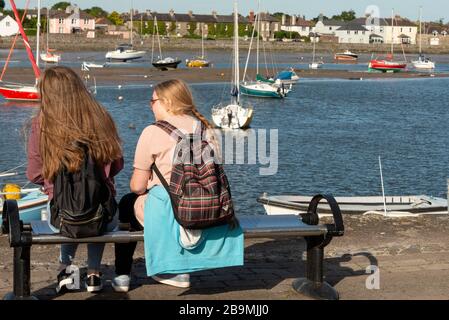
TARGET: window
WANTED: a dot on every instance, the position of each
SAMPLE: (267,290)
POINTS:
(401,29)
(73,21)
(179,26)
(330,28)
(61,20)
(410,29)
(86,21)
(61,30)
(348,32)
(276,27)
(356,32)
(304,29)
(188,27)
(363,32)
(8,24)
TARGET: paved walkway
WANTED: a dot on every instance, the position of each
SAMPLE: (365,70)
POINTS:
(412,257)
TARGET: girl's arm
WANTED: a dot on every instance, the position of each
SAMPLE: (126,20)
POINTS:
(139,181)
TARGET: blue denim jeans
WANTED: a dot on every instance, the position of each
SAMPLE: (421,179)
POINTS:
(94,250)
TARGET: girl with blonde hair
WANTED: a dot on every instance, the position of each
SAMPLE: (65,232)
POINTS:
(172,103)
(69,122)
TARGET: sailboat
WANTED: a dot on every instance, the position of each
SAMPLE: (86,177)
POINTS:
(201,61)
(387,65)
(423,62)
(234,115)
(261,87)
(48,56)
(17,91)
(315,64)
(125,52)
(162,63)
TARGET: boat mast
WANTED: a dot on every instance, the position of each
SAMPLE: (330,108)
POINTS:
(157,35)
(202,41)
(48,26)
(236,52)
(392,32)
(38,26)
(258,37)
(420,30)
(25,40)
(132,26)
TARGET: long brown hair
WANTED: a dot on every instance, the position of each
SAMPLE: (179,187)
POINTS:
(71,119)
(179,100)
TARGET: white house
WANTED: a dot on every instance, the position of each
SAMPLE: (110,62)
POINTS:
(8,26)
(296,24)
(353,33)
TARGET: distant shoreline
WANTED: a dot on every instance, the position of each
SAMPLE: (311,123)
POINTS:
(78,43)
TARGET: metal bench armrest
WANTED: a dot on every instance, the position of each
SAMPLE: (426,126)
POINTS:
(336,229)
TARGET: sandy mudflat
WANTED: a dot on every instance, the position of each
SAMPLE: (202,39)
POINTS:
(114,75)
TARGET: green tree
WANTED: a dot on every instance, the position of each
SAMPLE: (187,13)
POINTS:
(345,16)
(192,28)
(316,19)
(278,15)
(2,5)
(172,29)
(114,17)
(60,5)
(97,12)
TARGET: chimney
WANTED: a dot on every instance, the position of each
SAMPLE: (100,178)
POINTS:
(321,18)
(283,21)
(251,17)
(190,13)
(293,20)
(214,13)
(171,12)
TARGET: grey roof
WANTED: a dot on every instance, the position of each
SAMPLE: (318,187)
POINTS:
(207,18)
(181,17)
(266,17)
(334,23)
(352,26)
(398,22)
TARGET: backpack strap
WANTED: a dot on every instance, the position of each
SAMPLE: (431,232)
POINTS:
(170,129)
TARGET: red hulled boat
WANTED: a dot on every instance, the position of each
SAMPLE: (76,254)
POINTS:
(16,91)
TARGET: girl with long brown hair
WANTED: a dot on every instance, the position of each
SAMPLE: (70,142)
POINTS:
(69,122)
(171,102)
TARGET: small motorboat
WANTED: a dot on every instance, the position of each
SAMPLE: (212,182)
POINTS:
(199,62)
(166,63)
(346,56)
(397,205)
(423,63)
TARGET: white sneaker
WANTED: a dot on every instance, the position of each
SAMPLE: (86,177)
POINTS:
(121,283)
(175,280)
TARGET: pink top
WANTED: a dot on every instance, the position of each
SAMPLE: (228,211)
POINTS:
(34,169)
(156,146)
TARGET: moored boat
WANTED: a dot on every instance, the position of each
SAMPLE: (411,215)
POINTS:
(414,204)
(385,65)
(166,63)
(19,92)
(346,56)
(124,52)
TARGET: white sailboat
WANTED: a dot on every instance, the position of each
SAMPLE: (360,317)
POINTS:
(234,115)
(162,63)
(423,62)
(126,52)
(48,56)
(315,64)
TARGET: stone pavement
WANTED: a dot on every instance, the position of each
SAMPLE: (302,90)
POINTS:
(411,255)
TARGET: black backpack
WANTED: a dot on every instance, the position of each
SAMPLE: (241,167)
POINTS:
(83,203)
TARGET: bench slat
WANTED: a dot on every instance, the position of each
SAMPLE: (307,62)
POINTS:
(262,226)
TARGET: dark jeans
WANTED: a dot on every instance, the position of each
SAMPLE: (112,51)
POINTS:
(124,251)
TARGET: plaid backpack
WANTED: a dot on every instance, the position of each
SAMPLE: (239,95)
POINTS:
(199,190)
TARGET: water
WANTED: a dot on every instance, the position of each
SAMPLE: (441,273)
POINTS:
(331,133)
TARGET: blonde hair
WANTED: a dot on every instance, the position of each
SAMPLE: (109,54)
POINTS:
(71,119)
(179,100)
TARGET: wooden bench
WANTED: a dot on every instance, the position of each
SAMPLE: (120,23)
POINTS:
(317,236)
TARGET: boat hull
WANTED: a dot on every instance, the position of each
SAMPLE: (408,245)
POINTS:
(197,63)
(30,207)
(422,65)
(125,56)
(341,57)
(19,93)
(386,66)
(263,90)
(166,66)
(50,58)
(275,205)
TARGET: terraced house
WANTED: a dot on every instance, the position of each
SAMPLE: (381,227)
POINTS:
(188,24)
